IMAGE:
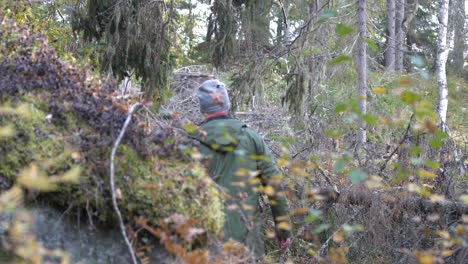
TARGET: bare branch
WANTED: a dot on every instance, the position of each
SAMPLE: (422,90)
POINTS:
(132,109)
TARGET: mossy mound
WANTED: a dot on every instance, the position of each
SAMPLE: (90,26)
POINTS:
(68,117)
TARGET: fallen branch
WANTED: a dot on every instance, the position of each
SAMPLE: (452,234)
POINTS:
(364,197)
(405,137)
(132,109)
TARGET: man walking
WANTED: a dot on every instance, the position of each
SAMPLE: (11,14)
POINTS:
(242,165)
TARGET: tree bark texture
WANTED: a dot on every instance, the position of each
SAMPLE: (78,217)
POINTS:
(361,68)
(399,34)
(390,51)
(459,35)
(442,54)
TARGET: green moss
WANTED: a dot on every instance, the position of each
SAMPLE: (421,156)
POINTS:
(152,187)
(35,141)
(157,188)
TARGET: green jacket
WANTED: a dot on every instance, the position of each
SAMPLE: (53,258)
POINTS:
(239,161)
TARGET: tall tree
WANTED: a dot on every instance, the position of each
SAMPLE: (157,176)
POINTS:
(390,51)
(442,54)
(459,37)
(136,35)
(361,68)
(399,34)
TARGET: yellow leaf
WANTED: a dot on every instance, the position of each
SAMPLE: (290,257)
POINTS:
(412,187)
(437,198)
(248,207)
(270,234)
(242,172)
(282,162)
(383,120)
(300,211)
(283,226)
(379,90)
(338,237)
(7,131)
(443,234)
(464,198)
(424,174)
(254,181)
(71,175)
(425,259)
(11,199)
(31,179)
(268,190)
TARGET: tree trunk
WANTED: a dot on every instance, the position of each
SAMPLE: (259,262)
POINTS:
(260,23)
(459,36)
(361,67)
(399,34)
(442,54)
(390,51)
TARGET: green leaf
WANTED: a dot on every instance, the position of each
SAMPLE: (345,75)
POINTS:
(339,165)
(190,128)
(339,59)
(313,215)
(333,133)
(431,164)
(343,30)
(320,228)
(357,176)
(372,45)
(409,97)
(435,143)
(340,107)
(370,119)
(416,150)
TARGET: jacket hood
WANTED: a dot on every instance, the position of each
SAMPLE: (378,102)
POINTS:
(221,135)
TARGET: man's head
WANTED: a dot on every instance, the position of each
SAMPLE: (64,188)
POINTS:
(213,97)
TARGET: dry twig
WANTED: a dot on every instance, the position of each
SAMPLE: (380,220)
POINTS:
(133,108)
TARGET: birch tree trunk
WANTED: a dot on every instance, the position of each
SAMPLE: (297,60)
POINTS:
(390,51)
(442,54)
(361,67)
(399,34)
(459,35)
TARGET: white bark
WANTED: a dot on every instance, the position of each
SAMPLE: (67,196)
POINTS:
(361,68)
(442,54)
(390,51)
(399,34)
(441,61)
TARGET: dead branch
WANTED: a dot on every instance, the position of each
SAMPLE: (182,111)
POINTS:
(132,109)
(405,137)
(364,197)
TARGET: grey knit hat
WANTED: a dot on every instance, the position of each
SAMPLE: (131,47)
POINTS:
(213,97)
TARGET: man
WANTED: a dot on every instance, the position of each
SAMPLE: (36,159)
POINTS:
(241,164)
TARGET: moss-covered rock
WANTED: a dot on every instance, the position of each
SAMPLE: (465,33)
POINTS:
(71,118)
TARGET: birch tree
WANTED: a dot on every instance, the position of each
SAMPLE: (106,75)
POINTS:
(390,51)
(442,54)
(361,67)
(399,34)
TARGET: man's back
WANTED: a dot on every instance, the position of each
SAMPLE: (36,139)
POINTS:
(241,164)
